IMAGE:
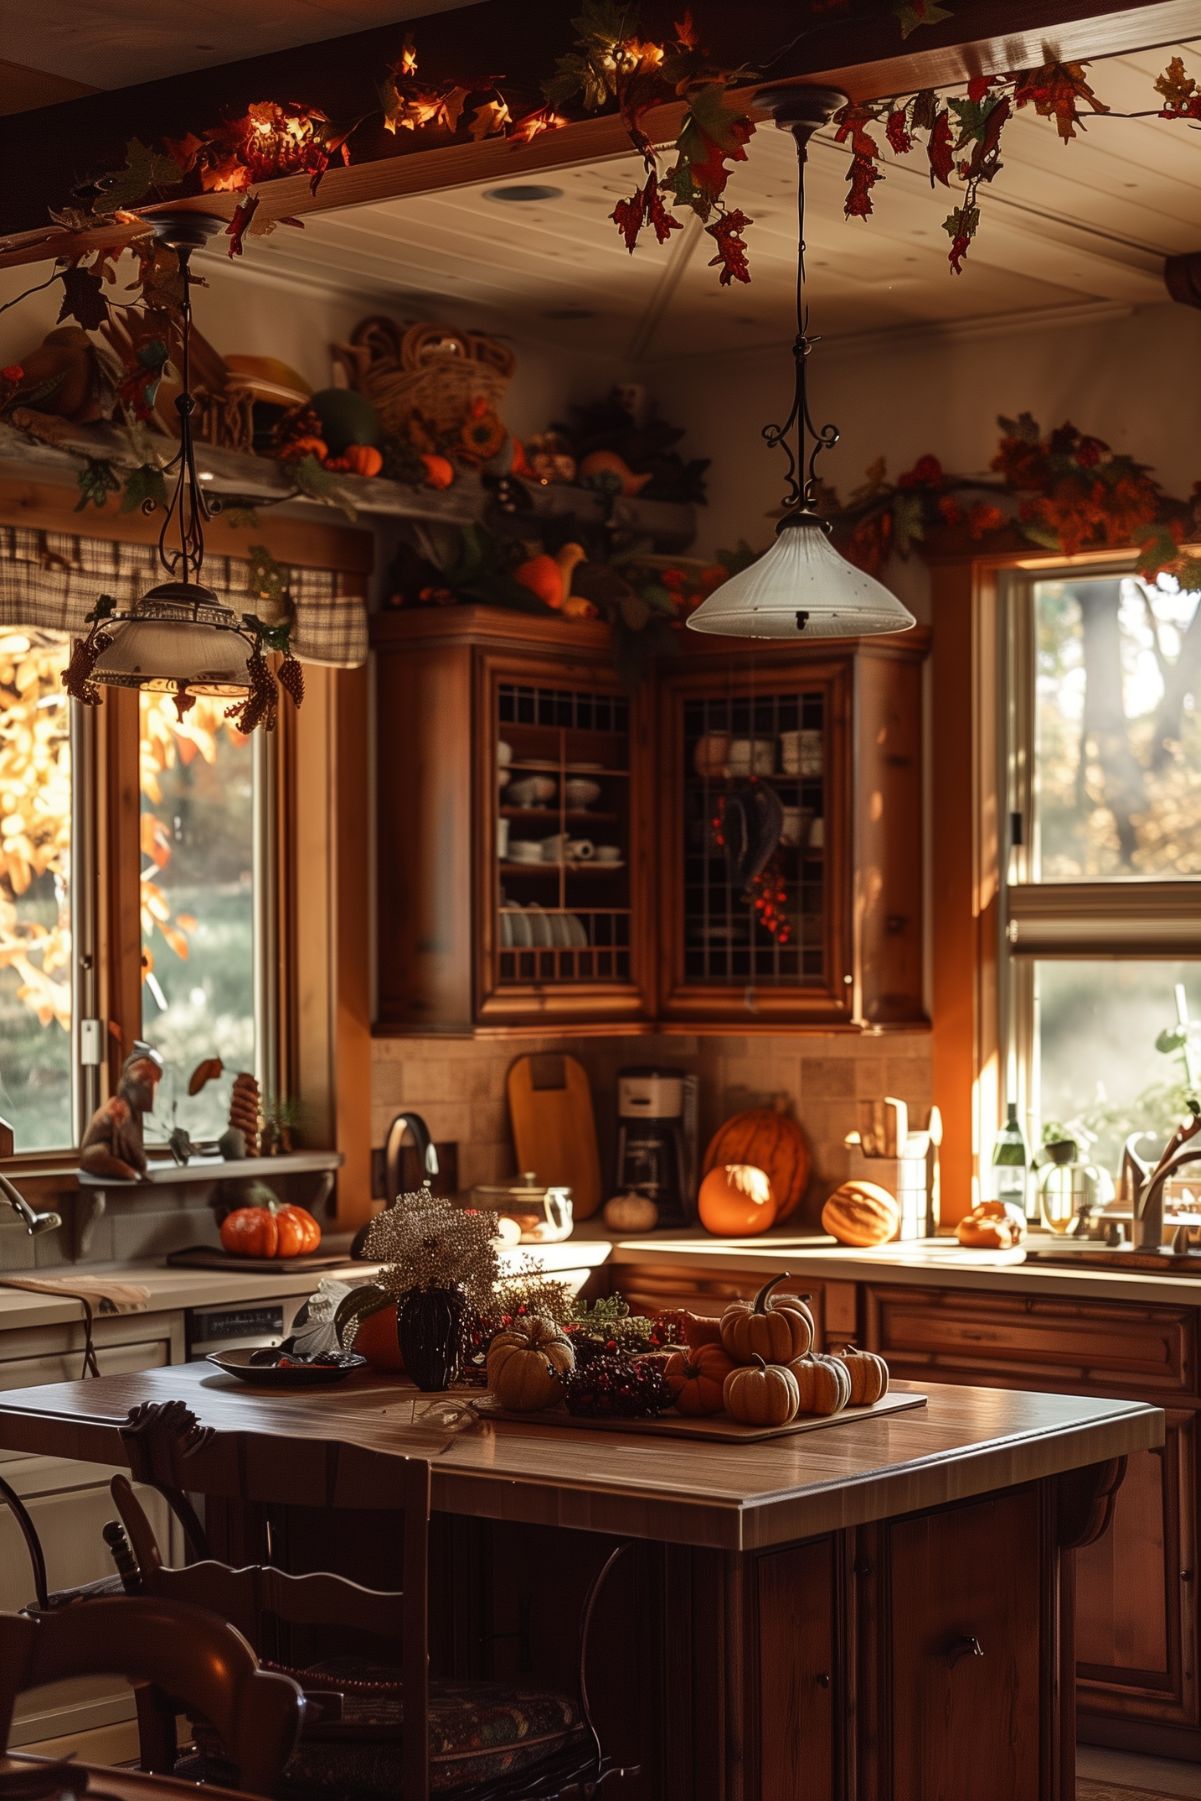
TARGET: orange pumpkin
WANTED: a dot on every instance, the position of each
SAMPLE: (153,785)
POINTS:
(696,1378)
(762,1394)
(439,471)
(823,1384)
(361,459)
(736,1201)
(766,1138)
(270,1232)
(861,1213)
(868,1373)
(776,1328)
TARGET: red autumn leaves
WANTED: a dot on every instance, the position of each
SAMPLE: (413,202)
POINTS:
(962,135)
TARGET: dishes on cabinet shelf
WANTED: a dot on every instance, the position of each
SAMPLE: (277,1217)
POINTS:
(751,756)
(801,752)
(581,792)
(541,928)
(504,754)
(532,791)
(524,850)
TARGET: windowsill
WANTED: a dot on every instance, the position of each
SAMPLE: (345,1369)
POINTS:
(64,1167)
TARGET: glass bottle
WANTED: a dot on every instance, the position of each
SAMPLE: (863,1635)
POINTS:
(1066,1184)
(1010,1164)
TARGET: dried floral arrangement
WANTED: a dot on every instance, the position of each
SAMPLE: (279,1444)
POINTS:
(425,1241)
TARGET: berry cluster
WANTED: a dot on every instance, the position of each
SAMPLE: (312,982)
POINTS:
(613,1387)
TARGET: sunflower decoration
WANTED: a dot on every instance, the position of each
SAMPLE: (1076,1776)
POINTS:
(482,434)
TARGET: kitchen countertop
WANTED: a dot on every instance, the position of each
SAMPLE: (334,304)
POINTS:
(939,1263)
(172,1289)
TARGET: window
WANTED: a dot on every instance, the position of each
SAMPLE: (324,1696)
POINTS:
(35,889)
(188,852)
(1103,902)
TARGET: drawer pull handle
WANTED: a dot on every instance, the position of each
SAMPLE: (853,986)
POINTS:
(968,1646)
(1186,1575)
(823,1680)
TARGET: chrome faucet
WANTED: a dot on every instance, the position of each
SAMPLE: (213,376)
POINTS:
(1148,1205)
(34,1223)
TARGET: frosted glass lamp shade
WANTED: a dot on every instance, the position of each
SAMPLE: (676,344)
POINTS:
(801,588)
(177,635)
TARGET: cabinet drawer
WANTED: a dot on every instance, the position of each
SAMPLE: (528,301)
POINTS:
(1005,1341)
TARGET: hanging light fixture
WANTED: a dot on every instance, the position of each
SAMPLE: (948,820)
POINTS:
(180,638)
(801,587)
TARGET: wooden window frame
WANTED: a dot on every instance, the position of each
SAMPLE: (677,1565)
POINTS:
(313,903)
(977,711)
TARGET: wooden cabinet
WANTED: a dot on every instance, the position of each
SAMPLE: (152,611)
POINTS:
(959,1652)
(802,1682)
(827,742)
(1136,1588)
(546,853)
(514,825)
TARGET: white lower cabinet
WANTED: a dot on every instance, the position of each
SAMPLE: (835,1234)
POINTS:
(70,1503)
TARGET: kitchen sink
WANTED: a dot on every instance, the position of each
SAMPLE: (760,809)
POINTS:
(1164,1262)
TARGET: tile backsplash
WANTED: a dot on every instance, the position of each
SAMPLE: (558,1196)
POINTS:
(458,1086)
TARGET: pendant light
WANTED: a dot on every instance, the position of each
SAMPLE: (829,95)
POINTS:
(801,587)
(180,638)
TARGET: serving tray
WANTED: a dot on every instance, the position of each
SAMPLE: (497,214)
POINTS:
(714,1426)
(204,1256)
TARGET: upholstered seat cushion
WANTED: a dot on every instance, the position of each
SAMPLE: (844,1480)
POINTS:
(351,1751)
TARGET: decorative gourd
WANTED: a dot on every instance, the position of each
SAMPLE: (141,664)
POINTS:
(631,1213)
(361,459)
(526,1365)
(696,1378)
(762,1394)
(768,1138)
(774,1327)
(694,1328)
(861,1213)
(274,1231)
(868,1373)
(736,1201)
(823,1384)
(297,448)
(439,471)
(377,1337)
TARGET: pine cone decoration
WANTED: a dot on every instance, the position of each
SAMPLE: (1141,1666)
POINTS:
(291,679)
(244,1111)
(611,1387)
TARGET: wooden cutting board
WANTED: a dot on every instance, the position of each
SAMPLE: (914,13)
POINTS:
(716,1427)
(554,1131)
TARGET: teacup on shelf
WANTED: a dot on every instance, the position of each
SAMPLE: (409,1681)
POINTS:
(711,753)
(608,853)
(751,756)
(580,792)
(524,850)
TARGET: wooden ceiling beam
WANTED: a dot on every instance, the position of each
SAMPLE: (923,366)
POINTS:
(57,148)
(1182,277)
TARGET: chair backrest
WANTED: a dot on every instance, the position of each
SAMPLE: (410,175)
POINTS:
(168,1448)
(200,1658)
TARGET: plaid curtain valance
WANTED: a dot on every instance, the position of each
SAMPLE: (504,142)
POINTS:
(52,580)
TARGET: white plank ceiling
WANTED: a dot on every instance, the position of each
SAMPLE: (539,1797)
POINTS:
(1079,226)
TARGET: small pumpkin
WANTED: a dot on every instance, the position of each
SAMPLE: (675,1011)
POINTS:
(697,1379)
(777,1328)
(526,1364)
(362,459)
(823,1384)
(274,1231)
(736,1201)
(631,1213)
(768,1138)
(861,1214)
(868,1373)
(992,1226)
(439,471)
(762,1394)
(377,1337)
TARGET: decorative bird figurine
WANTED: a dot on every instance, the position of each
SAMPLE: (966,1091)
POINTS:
(550,577)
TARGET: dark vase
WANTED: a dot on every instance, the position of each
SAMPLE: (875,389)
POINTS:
(431,1335)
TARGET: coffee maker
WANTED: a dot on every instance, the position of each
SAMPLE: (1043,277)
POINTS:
(656,1140)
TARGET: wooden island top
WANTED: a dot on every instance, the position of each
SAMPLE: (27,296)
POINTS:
(743,1497)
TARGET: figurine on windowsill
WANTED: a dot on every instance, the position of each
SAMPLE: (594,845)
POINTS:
(112,1144)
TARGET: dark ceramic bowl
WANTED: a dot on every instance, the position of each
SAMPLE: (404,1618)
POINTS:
(271,1368)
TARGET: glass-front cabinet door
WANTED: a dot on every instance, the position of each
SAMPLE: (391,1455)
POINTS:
(562,870)
(754,918)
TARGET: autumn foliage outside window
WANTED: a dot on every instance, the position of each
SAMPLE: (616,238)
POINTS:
(195,863)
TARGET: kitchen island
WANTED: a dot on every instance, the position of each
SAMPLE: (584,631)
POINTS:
(881,1608)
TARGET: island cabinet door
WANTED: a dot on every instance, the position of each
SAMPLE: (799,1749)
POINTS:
(1136,1590)
(954,1642)
(799,1684)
